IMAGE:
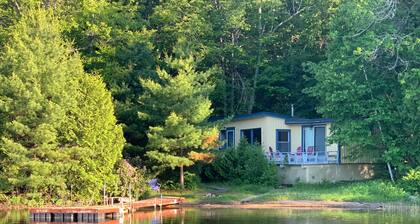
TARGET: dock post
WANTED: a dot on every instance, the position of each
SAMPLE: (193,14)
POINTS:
(68,217)
(37,217)
(98,217)
(121,215)
(48,217)
(161,203)
(85,217)
(90,217)
(59,217)
(154,205)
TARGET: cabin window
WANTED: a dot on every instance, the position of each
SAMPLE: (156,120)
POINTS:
(228,137)
(252,136)
(283,140)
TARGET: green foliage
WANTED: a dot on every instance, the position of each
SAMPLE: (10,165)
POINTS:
(365,191)
(113,41)
(179,107)
(58,129)
(244,164)
(411,181)
(192,181)
(363,83)
(132,178)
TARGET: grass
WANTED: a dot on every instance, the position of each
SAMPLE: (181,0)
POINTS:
(367,191)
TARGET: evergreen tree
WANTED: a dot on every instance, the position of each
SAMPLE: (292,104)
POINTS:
(113,41)
(58,132)
(179,105)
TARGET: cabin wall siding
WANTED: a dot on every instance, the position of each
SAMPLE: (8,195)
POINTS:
(269,125)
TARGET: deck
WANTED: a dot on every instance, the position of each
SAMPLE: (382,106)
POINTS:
(92,214)
(302,158)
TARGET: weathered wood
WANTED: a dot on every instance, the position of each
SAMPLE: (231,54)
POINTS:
(95,213)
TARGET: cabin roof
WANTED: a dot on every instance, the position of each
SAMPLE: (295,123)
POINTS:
(288,119)
(259,114)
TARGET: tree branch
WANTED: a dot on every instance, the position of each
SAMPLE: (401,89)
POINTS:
(289,18)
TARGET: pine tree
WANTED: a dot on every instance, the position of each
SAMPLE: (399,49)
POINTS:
(57,128)
(179,106)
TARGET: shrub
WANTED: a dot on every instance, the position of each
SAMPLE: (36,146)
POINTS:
(245,164)
(132,177)
(191,182)
(411,181)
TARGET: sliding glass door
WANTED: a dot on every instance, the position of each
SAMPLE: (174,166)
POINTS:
(314,139)
(320,139)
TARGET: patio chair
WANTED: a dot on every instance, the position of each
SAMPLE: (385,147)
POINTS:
(299,151)
(311,151)
(271,152)
(311,156)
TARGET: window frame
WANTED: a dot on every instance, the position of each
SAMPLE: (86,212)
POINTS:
(252,142)
(230,130)
(289,139)
(224,136)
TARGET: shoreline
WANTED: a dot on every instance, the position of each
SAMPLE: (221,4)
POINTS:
(293,204)
(296,204)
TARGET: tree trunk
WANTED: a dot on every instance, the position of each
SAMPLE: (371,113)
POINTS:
(390,172)
(232,80)
(257,66)
(380,130)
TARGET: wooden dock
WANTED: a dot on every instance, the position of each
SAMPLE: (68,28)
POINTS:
(95,214)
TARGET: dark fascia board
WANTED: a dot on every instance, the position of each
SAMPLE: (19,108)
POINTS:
(288,119)
(308,121)
(259,114)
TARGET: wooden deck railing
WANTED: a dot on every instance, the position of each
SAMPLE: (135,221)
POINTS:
(298,158)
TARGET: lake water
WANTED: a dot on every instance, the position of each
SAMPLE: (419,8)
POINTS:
(247,216)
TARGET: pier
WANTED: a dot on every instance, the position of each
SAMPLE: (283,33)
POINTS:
(95,214)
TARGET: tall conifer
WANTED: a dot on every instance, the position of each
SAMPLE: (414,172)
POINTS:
(179,105)
(58,132)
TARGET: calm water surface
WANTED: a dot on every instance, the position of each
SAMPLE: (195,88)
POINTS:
(246,216)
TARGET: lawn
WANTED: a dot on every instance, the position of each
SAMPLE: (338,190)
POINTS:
(229,193)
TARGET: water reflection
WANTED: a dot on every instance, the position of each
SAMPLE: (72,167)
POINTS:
(245,216)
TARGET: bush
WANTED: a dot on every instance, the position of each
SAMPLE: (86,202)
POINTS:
(132,177)
(411,181)
(245,164)
(191,182)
